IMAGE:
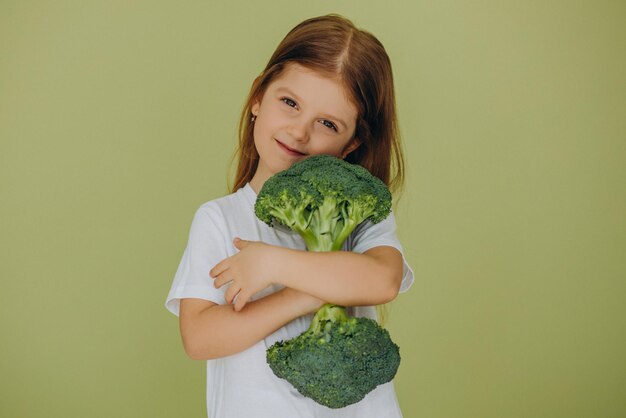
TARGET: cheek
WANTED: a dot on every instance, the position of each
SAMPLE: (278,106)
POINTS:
(258,133)
(332,146)
(334,151)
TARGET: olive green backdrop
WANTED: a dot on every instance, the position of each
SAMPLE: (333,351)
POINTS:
(118,119)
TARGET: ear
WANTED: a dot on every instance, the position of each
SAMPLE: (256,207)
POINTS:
(255,108)
(352,145)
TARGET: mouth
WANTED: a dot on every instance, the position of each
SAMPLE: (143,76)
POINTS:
(290,151)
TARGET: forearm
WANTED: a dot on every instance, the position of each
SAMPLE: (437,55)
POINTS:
(342,277)
(221,331)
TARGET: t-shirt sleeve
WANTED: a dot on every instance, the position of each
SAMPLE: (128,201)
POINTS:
(369,235)
(205,248)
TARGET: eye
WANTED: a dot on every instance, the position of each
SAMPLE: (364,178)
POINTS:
(288,102)
(330,125)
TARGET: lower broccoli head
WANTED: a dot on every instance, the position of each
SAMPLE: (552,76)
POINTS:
(339,360)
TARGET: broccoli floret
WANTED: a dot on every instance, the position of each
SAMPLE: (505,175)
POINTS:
(324,199)
(340,358)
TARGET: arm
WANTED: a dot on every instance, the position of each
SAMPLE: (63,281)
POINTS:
(340,277)
(210,331)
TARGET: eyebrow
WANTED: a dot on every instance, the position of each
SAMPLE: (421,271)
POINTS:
(286,90)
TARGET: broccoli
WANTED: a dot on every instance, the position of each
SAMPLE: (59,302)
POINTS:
(323,199)
(340,358)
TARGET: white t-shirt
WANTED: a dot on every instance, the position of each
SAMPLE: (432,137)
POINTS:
(242,385)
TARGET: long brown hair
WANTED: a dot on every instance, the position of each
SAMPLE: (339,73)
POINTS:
(331,45)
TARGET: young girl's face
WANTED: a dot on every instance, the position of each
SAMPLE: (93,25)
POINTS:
(300,114)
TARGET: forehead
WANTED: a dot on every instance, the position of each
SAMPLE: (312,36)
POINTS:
(320,92)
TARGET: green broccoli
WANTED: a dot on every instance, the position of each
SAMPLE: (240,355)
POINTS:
(340,358)
(323,199)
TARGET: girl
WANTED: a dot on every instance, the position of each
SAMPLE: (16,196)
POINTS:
(241,285)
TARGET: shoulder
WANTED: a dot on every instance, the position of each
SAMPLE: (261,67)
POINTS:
(368,234)
(229,205)
(389,223)
(228,214)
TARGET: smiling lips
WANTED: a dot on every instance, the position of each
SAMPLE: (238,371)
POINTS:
(288,150)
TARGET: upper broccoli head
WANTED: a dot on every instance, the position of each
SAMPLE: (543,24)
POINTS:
(350,184)
(326,196)
(287,199)
(338,360)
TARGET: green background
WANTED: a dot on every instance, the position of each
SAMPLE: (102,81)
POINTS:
(118,119)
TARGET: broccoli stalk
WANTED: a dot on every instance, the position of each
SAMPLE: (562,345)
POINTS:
(325,317)
(340,358)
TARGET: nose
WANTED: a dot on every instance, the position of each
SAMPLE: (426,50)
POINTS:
(299,129)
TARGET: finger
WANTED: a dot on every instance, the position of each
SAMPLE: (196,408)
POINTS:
(232,291)
(221,280)
(239,243)
(242,299)
(219,268)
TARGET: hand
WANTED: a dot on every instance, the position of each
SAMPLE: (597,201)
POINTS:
(248,271)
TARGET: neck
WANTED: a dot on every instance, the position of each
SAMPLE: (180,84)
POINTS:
(256,185)
(259,178)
